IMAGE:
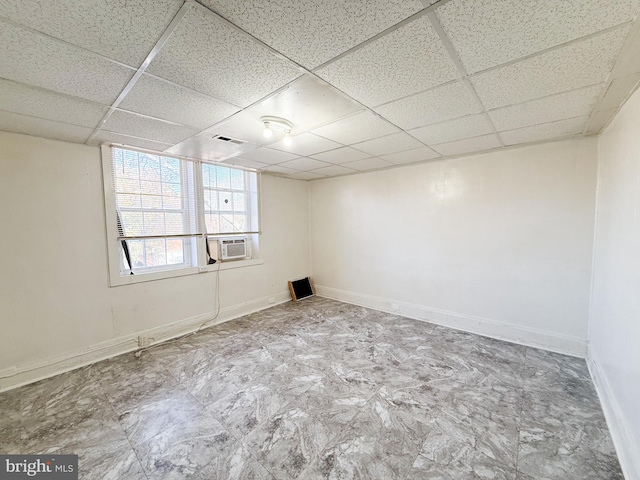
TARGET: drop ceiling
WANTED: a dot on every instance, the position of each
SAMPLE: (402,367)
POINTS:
(367,84)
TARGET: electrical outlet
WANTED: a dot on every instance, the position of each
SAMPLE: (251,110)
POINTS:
(143,342)
(272,300)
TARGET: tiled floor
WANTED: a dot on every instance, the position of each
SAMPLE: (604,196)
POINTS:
(321,389)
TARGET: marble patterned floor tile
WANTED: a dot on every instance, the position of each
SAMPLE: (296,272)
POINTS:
(109,461)
(287,442)
(321,389)
(566,452)
(201,449)
(453,449)
(157,414)
(382,441)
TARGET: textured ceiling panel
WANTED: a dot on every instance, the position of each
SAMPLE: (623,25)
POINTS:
(406,61)
(279,169)
(334,170)
(457,129)
(307,144)
(243,162)
(567,68)
(341,155)
(304,164)
(311,32)
(548,109)
(157,98)
(145,127)
(112,137)
(269,156)
(486,33)
(545,131)
(207,55)
(41,61)
(120,29)
(372,163)
(306,176)
(411,156)
(20,98)
(437,105)
(468,145)
(13,122)
(389,144)
(356,128)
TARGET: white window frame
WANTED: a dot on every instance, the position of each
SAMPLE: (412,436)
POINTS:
(198,254)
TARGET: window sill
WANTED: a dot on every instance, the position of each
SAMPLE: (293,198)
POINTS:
(150,277)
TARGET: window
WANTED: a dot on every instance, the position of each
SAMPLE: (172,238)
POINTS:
(165,213)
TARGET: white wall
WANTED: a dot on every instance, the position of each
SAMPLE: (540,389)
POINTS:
(498,243)
(55,302)
(614,349)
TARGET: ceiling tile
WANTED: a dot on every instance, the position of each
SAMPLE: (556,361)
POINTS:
(269,156)
(468,145)
(618,91)
(120,29)
(38,60)
(437,105)
(356,128)
(389,144)
(567,68)
(304,164)
(600,120)
(161,99)
(242,162)
(341,155)
(311,33)
(306,144)
(112,137)
(13,122)
(21,98)
(207,55)
(145,127)
(279,169)
(306,176)
(457,129)
(368,164)
(411,156)
(334,170)
(486,33)
(547,109)
(407,60)
(545,131)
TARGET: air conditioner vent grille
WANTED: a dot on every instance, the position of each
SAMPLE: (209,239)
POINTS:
(222,138)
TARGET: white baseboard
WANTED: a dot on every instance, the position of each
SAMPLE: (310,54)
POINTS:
(19,375)
(627,446)
(510,332)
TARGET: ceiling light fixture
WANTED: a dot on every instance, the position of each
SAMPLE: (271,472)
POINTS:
(277,124)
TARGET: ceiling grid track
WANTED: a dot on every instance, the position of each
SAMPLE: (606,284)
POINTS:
(186,6)
(435,23)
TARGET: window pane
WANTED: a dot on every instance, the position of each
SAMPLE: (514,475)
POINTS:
(225,201)
(153,223)
(156,254)
(124,200)
(127,185)
(226,223)
(174,222)
(170,170)
(150,188)
(238,202)
(136,252)
(223,176)
(212,221)
(150,167)
(132,223)
(239,223)
(175,251)
(152,201)
(237,179)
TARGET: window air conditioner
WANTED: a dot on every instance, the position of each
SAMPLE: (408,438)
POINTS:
(233,248)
